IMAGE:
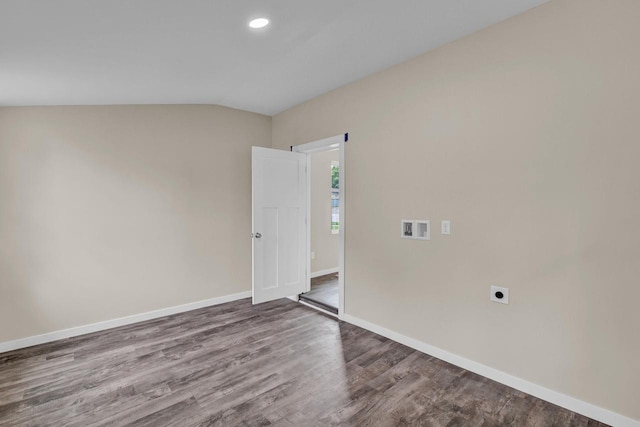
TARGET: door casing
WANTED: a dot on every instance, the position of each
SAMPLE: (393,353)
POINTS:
(335,142)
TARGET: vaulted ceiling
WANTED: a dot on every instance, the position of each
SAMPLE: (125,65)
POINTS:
(85,52)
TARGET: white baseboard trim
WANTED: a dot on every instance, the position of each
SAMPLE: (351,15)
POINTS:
(114,323)
(324,272)
(568,402)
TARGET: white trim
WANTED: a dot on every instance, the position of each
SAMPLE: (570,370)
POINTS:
(343,229)
(568,402)
(328,144)
(114,323)
(307,267)
(325,272)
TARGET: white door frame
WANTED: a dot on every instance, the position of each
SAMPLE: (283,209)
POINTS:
(326,144)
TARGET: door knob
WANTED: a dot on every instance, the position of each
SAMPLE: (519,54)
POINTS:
(257,235)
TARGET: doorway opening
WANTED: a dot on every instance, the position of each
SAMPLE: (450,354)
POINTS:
(326,228)
(324,293)
(324,224)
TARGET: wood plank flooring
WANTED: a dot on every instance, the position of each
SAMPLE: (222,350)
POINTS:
(278,363)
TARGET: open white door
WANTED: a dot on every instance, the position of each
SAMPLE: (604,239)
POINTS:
(279,230)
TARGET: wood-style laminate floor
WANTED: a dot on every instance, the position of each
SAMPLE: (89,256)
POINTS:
(278,363)
(324,291)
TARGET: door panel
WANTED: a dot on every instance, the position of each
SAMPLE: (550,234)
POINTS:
(279,194)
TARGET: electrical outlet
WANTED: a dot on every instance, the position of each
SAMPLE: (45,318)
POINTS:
(445,226)
(499,294)
(313,255)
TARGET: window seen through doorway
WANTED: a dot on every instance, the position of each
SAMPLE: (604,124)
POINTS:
(335,197)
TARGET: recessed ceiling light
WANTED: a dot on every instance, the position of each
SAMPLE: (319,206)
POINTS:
(259,23)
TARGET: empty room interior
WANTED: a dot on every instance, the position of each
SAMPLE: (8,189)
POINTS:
(297,213)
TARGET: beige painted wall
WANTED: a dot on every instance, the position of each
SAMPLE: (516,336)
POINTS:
(112,211)
(525,136)
(323,243)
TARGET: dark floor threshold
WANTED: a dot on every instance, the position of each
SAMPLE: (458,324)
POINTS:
(319,304)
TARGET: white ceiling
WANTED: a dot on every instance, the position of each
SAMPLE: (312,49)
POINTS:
(70,52)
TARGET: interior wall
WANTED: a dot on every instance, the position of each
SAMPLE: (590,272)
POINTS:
(113,211)
(525,136)
(324,245)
